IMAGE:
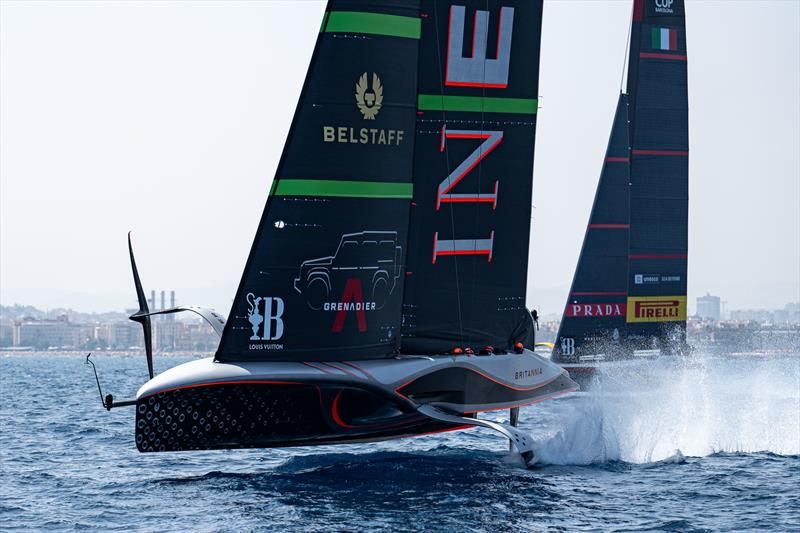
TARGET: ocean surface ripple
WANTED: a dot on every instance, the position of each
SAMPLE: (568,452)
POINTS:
(705,444)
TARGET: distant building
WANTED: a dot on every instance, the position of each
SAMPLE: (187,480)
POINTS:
(28,328)
(6,335)
(165,334)
(790,314)
(44,334)
(124,335)
(708,306)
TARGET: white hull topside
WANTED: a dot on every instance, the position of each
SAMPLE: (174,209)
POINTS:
(519,372)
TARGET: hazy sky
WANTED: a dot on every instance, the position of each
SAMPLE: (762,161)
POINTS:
(168,119)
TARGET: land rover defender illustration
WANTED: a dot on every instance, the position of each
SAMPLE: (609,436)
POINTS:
(372,257)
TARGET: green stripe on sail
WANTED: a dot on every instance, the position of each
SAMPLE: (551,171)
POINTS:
(375,23)
(477,104)
(350,189)
(324,21)
(655,38)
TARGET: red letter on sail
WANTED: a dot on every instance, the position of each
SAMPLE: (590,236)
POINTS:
(352,291)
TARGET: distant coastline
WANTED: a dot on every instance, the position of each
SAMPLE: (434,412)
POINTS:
(29,352)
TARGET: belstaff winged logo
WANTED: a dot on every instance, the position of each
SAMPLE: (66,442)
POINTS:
(369,100)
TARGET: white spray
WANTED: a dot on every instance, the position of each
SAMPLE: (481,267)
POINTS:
(665,409)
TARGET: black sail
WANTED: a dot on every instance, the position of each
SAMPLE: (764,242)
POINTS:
(473,170)
(595,314)
(659,192)
(324,278)
(654,288)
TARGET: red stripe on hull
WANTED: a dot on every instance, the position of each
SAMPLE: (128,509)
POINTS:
(343,370)
(358,367)
(321,369)
(523,389)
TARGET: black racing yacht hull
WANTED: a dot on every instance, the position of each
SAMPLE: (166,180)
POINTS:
(205,404)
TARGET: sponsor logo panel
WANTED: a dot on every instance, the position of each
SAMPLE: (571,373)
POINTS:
(664,6)
(653,279)
(369,100)
(568,345)
(266,323)
(527,373)
(364,270)
(656,309)
(595,310)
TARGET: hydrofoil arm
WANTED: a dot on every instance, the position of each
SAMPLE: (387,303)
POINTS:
(216,320)
(521,440)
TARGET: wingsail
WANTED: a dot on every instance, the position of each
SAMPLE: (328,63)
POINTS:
(473,171)
(595,314)
(400,213)
(639,222)
(324,276)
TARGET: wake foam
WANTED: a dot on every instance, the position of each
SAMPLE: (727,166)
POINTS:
(662,410)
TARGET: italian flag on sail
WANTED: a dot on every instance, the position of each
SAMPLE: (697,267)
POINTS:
(665,39)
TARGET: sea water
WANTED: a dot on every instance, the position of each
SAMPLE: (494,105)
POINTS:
(700,444)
